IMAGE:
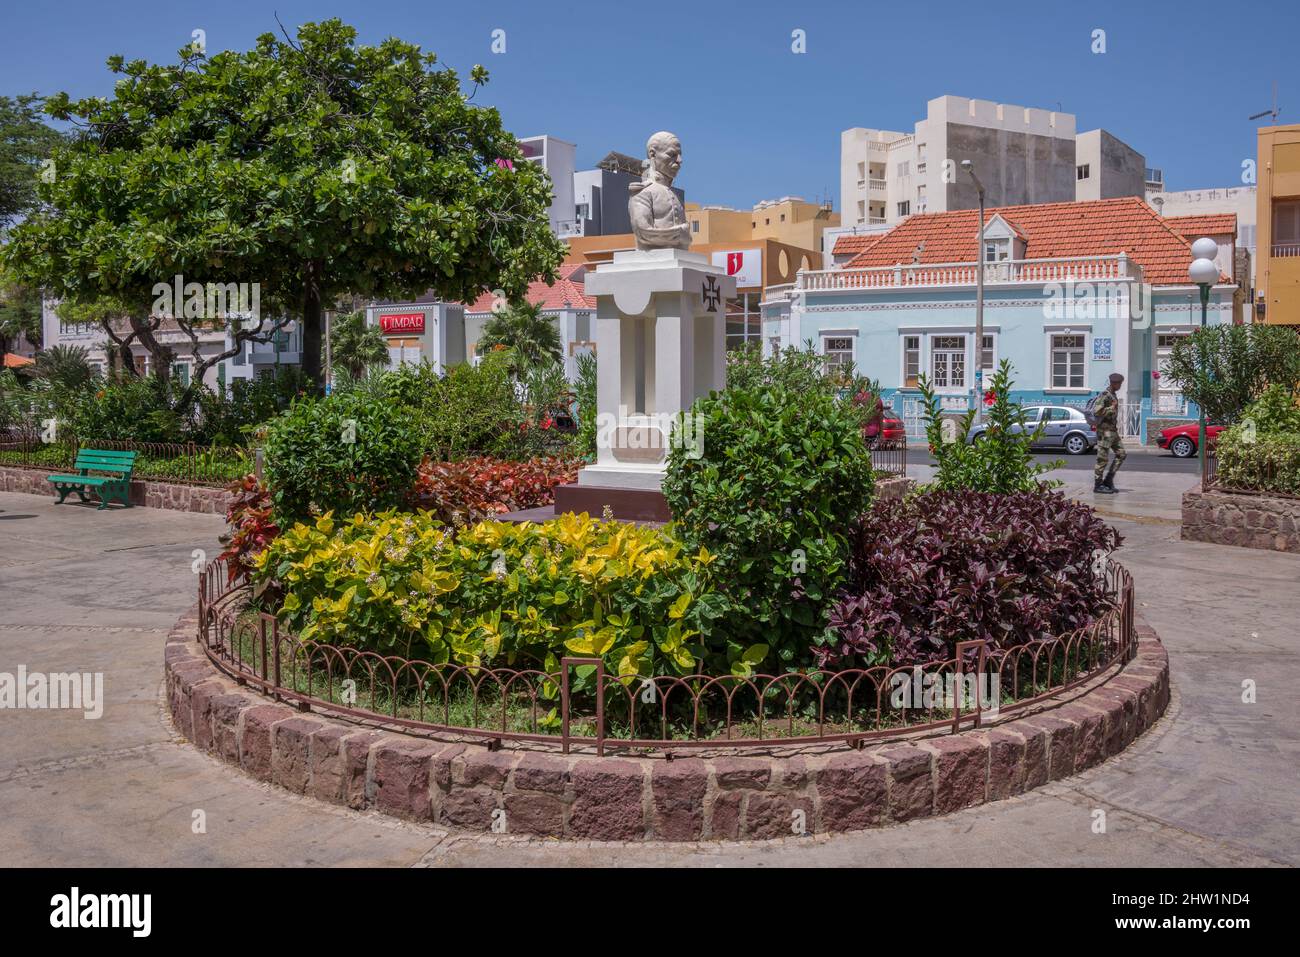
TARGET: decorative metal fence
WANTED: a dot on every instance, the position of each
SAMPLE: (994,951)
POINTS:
(889,457)
(581,704)
(181,462)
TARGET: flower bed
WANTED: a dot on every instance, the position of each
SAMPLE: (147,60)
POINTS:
(476,488)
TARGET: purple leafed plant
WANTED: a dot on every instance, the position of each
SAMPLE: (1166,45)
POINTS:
(949,566)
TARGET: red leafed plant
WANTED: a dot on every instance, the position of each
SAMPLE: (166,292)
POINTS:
(251,528)
(476,488)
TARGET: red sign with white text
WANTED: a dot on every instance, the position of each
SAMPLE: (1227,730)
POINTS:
(404,323)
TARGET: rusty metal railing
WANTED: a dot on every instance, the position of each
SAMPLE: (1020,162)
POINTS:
(889,457)
(183,463)
(583,705)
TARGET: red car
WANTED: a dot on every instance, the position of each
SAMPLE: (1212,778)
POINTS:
(889,429)
(1181,439)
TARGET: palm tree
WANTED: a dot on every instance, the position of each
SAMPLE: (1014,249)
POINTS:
(64,367)
(355,346)
(522,328)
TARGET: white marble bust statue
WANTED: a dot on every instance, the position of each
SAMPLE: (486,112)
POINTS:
(658,219)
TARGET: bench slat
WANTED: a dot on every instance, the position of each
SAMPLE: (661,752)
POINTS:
(81,479)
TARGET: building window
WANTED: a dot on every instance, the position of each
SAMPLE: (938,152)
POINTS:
(181,373)
(744,322)
(1082,172)
(783,217)
(1286,224)
(911,361)
(838,351)
(1067,361)
(986,354)
(695,225)
(904,208)
(948,362)
(904,168)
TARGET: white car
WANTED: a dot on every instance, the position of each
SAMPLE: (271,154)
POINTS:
(1064,427)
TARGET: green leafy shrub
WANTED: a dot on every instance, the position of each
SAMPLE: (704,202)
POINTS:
(1262,452)
(345,452)
(226,418)
(1000,459)
(1274,411)
(127,409)
(513,595)
(781,476)
(585,442)
(1268,463)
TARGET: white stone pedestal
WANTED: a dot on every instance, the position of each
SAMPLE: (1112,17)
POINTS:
(660,344)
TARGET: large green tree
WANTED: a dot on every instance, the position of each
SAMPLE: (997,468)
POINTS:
(25,142)
(313,166)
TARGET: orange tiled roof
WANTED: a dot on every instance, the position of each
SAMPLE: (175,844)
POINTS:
(1213,224)
(846,245)
(1051,230)
(568,288)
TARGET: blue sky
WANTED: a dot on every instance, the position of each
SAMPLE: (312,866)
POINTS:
(1177,81)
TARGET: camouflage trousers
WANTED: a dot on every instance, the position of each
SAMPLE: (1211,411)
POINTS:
(1108,441)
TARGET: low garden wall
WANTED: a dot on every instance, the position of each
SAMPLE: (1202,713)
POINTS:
(1240,518)
(184,498)
(547,793)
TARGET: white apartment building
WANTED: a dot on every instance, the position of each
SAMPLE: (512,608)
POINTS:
(557,157)
(1021,155)
(1238,200)
(255,358)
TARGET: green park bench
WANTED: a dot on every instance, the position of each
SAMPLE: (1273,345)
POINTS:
(116,485)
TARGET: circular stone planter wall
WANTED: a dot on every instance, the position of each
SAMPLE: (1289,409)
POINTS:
(626,799)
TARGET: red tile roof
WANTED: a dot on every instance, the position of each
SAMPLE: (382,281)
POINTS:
(1194,227)
(847,244)
(567,292)
(1051,230)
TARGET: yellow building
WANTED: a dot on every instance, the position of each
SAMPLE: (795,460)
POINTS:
(718,224)
(793,221)
(1277,234)
(789,220)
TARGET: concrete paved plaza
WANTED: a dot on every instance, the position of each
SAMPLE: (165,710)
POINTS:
(1214,783)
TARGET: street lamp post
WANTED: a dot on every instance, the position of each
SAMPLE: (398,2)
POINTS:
(979,299)
(1205,273)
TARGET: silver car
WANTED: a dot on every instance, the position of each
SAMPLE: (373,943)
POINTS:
(1064,427)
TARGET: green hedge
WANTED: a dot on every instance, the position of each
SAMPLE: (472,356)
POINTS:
(1270,463)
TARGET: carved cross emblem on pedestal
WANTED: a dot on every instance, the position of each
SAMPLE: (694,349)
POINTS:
(712,294)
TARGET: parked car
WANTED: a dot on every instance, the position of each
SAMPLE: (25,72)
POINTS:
(892,429)
(1181,439)
(1064,427)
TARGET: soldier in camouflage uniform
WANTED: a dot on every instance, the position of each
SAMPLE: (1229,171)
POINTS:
(1106,410)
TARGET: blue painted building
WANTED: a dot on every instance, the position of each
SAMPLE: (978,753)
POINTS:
(1072,293)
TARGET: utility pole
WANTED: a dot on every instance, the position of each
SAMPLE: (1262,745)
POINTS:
(978,390)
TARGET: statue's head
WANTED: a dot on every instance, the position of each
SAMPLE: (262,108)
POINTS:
(664,150)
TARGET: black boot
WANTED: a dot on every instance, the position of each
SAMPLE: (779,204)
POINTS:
(1099,485)
(1109,480)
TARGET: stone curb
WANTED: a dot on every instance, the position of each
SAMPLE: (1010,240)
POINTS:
(629,799)
(1249,521)
(150,494)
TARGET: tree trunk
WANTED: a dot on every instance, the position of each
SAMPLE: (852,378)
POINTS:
(311,327)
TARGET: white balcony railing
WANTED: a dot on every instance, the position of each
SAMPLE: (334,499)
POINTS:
(1076,269)
(1285,250)
(877,183)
